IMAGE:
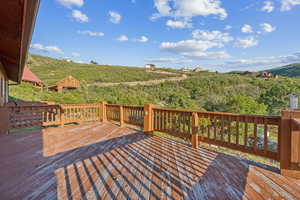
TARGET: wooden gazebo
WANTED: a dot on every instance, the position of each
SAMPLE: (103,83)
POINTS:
(69,83)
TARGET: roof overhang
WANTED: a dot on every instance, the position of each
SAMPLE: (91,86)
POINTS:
(17,20)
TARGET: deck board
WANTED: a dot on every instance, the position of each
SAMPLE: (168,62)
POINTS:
(104,161)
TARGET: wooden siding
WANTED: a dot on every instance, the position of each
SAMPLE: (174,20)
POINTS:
(104,161)
(67,83)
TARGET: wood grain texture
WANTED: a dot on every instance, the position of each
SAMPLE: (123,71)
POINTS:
(104,161)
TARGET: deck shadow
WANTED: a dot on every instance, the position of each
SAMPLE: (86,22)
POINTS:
(108,162)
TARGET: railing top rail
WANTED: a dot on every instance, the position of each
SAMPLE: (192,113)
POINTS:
(129,106)
(218,113)
(31,106)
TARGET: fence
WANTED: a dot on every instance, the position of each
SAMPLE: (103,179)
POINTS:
(29,116)
(273,137)
(82,112)
(254,134)
(33,116)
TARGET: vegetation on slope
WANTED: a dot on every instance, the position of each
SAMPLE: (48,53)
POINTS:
(206,91)
(53,70)
(292,70)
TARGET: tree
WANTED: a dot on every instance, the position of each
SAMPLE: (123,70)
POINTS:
(244,105)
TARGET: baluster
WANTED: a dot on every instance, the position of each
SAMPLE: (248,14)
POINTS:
(222,128)
(265,135)
(246,132)
(229,129)
(215,127)
(208,126)
(237,130)
(255,134)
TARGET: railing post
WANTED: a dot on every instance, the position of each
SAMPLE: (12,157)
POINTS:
(103,107)
(148,123)
(288,144)
(62,117)
(4,122)
(121,116)
(195,126)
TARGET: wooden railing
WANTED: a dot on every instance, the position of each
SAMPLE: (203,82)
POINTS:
(253,134)
(177,123)
(134,115)
(79,113)
(33,116)
(273,137)
(113,112)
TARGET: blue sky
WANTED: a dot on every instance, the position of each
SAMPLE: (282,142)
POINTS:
(221,35)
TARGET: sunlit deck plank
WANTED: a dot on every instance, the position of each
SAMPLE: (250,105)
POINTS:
(102,160)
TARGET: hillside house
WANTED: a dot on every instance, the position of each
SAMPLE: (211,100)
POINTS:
(197,69)
(150,66)
(265,75)
(30,77)
(68,83)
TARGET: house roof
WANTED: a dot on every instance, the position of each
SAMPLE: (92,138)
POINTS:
(29,76)
(17,19)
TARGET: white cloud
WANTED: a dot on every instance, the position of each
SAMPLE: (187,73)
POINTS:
(287,5)
(268,6)
(227,27)
(91,33)
(246,42)
(79,16)
(188,46)
(194,49)
(207,55)
(188,8)
(262,62)
(268,27)
(115,17)
(168,60)
(178,24)
(122,38)
(142,39)
(215,35)
(247,29)
(75,54)
(71,3)
(48,49)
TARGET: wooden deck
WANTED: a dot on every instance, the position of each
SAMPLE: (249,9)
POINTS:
(103,161)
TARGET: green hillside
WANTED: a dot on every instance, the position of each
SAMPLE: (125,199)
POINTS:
(52,70)
(292,70)
(206,91)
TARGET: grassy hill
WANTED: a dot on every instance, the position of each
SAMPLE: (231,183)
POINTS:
(207,91)
(52,70)
(292,70)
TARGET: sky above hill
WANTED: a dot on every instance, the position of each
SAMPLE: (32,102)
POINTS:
(222,35)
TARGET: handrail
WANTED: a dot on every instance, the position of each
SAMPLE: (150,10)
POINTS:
(273,137)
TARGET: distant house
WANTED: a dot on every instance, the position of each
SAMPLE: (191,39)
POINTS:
(197,69)
(265,75)
(150,66)
(68,83)
(30,77)
(93,62)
